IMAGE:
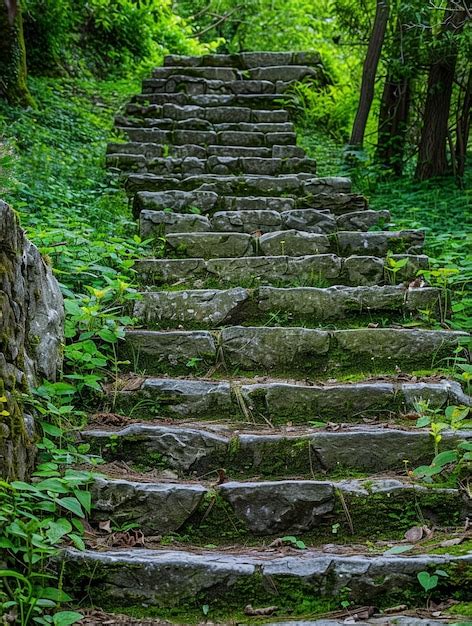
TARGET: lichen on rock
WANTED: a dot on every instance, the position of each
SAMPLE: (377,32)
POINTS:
(31,338)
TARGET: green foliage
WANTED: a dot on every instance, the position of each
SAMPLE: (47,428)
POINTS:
(104,36)
(78,216)
(36,519)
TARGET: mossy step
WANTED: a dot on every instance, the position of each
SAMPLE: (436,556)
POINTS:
(191,166)
(207,137)
(255,101)
(210,245)
(136,154)
(290,349)
(197,85)
(319,270)
(244,60)
(229,581)
(265,508)
(281,402)
(196,123)
(245,184)
(215,115)
(275,306)
(273,74)
(194,450)
(160,223)
(208,201)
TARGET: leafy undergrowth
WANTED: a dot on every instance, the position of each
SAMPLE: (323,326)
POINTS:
(52,173)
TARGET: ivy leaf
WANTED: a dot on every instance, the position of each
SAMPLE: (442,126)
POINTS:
(71,504)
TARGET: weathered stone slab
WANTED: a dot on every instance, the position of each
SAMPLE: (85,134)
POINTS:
(159,271)
(248,221)
(274,348)
(210,73)
(156,508)
(339,302)
(170,578)
(154,350)
(309,220)
(363,270)
(362,220)
(395,346)
(337,203)
(209,245)
(256,203)
(208,306)
(159,223)
(278,506)
(283,72)
(379,243)
(266,270)
(184,449)
(178,397)
(181,201)
(293,243)
(239,151)
(282,402)
(328,184)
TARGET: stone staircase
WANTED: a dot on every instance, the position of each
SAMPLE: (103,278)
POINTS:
(265,439)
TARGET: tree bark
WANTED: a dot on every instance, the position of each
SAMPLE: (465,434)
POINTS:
(463,128)
(432,157)
(393,118)
(369,72)
(12,55)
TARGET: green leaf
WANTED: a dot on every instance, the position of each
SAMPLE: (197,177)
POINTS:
(52,430)
(56,485)
(57,529)
(427,581)
(65,618)
(423,421)
(71,504)
(51,593)
(85,499)
(444,458)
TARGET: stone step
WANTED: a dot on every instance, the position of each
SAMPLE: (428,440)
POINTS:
(270,508)
(160,223)
(244,185)
(271,305)
(255,101)
(320,270)
(210,245)
(196,123)
(191,166)
(244,60)
(214,115)
(121,152)
(193,450)
(180,82)
(207,137)
(289,349)
(165,578)
(207,200)
(280,402)
(225,74)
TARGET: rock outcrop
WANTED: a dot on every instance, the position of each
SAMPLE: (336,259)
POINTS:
(31,338)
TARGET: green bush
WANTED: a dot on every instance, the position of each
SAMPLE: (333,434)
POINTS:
(98,36)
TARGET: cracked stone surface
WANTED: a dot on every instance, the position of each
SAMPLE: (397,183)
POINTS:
(273,507)
(156,508)
(209,306)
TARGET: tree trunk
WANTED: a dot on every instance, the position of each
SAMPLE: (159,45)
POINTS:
(393,118)
(369,72)
(12,55)
(463,128)
(432,157)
